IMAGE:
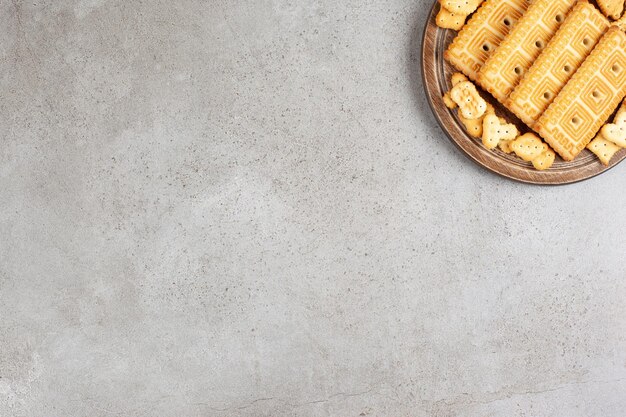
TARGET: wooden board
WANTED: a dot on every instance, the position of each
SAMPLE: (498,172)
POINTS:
(436,74)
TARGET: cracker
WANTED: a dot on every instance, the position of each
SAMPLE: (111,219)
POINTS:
(450,20)
(567,50)
(517,52)
(616,132)
(588,99)
(447,100)
(465,7)
(483,33)
(611,8)
(621,23)
(604,149)
(528,147)
(457,77)
(505,146)
(471,104)
(545,160)
(495,131)
(474,127)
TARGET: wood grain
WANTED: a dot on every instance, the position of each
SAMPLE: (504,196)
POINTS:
(436,74)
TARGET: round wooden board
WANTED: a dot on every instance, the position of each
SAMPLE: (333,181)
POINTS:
(436,74)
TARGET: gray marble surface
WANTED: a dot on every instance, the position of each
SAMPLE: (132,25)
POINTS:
(245,208)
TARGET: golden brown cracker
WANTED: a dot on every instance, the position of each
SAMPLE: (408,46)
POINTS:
(457,77)
(567,50)
(588,99)
(447,100)
(464,7)
(621,23)
(505,146)
(471,104)
(495,131)
(483,33)
(505,67)
(545,160)
(611,8)
(528,147)
(474,127)
(616,132)
(450,20)
(604,149)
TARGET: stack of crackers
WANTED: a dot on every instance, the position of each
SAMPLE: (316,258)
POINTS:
(558,65)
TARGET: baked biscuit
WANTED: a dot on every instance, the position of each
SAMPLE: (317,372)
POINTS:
(506,66)
(604,149)
(611,8)
(474,127)
(464,7)
(471,104)
(450,20)
(483,33)
(573,42)
(496,130)
(544,161)
(588,99)
(528,147)
(621,23)
(616,132)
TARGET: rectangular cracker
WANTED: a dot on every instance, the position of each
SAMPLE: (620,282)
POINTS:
(588,99)
(517,52)
(483,33)
(567,50)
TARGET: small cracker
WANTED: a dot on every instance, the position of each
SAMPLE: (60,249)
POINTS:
(621,23)
(447,100)
(457,77)
(616,132)
(471,104)
(474,127)
(611,8)
(450,20)
(505,146)
(494,131)
(528,147)
(603,149)
(545,160)
(465,7)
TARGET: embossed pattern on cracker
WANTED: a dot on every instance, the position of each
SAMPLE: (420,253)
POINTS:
(588,99)
(483,33)
(567,50)
(517,52)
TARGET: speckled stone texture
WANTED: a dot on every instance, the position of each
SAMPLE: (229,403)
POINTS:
(245,208)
